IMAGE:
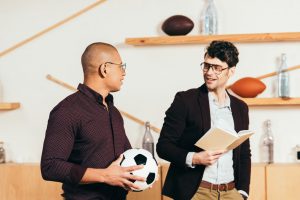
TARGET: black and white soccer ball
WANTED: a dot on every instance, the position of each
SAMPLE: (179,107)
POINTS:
(133,157)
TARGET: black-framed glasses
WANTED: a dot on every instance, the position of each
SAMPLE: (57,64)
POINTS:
(217,69)
(121,65)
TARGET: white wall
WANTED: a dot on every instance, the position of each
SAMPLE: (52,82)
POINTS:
(154,73)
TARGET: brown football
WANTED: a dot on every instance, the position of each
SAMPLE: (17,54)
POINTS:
(177,25)
(248,87)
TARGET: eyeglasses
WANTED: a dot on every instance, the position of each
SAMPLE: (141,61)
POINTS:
(217,69)
(122,65)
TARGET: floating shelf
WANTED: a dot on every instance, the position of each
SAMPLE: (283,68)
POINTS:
(272,101)
(9,106)
(204,39)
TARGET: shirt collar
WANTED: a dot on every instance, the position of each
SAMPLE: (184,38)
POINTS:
(94,95)
(212,99)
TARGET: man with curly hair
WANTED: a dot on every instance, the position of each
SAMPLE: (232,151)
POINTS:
(195,173)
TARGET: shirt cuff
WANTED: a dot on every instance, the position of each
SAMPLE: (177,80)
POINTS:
(243,193)
(189,160)
(77,173)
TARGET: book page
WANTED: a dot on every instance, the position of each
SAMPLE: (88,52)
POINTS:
(244,132)
(216,139)
(219,139)
(241,139)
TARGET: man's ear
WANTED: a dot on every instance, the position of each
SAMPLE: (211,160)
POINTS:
(231,71)
(102,71)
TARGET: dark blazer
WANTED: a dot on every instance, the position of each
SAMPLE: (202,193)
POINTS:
(187,119)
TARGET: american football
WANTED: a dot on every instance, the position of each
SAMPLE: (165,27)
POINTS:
(248,87)
(177,25)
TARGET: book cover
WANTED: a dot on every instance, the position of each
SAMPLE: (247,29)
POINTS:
(219,139)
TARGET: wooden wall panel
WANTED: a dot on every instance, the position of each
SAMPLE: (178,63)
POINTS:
(24,182)
(258,182)
(271,182)
(283,181)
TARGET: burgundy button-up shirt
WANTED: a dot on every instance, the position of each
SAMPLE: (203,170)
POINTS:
(81,134)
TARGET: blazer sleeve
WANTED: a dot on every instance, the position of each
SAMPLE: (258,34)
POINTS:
(168,146)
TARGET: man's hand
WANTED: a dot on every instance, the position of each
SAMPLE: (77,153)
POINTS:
(113,175)
(120,176)
(207,157)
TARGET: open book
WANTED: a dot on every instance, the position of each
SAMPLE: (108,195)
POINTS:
(219,139)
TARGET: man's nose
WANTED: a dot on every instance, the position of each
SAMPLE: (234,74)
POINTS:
(210,70)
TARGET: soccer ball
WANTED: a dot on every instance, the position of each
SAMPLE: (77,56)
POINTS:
(133,157)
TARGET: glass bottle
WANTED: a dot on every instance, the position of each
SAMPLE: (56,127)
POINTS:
(297,151)
(268,144)
(1,93)
(2,153)
(283,79)
(209,19)
(148,142)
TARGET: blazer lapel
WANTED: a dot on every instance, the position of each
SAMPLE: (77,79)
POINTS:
(204,106)
(235,114)
(237,121)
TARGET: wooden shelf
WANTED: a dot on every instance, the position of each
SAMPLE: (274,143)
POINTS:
(238,38)
(9,106)
(204,39)
(272,101)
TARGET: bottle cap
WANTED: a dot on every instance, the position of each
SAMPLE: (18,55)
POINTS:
(268,122)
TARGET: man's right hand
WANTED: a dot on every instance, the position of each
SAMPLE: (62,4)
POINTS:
(120,176)
(113,175)
(207,157)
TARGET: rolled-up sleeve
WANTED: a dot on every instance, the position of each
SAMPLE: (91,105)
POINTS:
(58,145)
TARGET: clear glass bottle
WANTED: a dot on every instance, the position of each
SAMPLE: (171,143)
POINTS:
(268,144)
(1,93)
(283,79)
(2,153)
(209,19)
(148,142)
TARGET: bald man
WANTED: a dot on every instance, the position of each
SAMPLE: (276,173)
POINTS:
(85,136)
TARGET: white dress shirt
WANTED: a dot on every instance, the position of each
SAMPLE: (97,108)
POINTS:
(222,170)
